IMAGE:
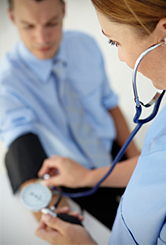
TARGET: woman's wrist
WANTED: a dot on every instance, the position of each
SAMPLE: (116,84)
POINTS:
(84,179)
(93,176)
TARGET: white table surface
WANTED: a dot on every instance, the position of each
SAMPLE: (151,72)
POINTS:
(17,225)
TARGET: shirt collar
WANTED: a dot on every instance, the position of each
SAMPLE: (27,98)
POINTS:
(42,68)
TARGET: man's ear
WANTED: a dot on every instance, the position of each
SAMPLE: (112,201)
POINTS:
(11,15)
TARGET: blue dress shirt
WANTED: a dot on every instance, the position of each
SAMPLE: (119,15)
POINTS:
(141,216)
(29,96)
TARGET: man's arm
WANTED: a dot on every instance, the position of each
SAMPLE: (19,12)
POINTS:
(23,161)
(123,132)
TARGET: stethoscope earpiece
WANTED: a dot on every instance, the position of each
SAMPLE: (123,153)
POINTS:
(165,40)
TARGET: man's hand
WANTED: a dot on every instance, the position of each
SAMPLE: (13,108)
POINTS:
(64,172)
(63,202)
(56,231)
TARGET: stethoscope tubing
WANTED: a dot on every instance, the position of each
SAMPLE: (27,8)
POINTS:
(138,61)
(136,120)
(116,160)
(139,122)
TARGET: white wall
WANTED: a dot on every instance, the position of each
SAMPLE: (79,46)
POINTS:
(80,15)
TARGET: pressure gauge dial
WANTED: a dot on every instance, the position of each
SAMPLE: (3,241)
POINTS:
(36,196)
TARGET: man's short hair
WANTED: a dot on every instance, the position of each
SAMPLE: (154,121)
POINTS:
(11,3)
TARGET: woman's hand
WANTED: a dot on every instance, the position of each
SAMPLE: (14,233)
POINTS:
(64,172)
(56,231)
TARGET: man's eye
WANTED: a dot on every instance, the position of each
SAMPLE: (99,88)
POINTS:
(52,24)
(113,42)
(28,27)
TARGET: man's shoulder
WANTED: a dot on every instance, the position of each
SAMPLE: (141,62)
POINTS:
(10,67)
(77,35)
(9,61)
(77,41)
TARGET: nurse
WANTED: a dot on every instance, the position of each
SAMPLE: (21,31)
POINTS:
(133,26)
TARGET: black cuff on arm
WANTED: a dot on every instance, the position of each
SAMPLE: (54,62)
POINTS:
(24,159)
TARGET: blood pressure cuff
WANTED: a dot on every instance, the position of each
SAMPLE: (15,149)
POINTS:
(24,159)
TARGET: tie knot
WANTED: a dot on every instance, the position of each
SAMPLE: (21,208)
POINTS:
(59,69)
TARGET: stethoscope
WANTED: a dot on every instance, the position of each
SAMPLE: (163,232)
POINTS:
(156,100)
(37,196)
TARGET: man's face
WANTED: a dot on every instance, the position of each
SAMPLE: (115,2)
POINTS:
(39,25)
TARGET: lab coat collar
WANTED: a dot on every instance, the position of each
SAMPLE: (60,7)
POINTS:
(42,68)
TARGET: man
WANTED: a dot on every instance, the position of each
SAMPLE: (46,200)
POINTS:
(35,104)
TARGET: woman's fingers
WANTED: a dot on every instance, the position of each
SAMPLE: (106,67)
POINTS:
(49,164)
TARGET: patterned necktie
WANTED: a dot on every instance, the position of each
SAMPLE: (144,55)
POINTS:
(80,126)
